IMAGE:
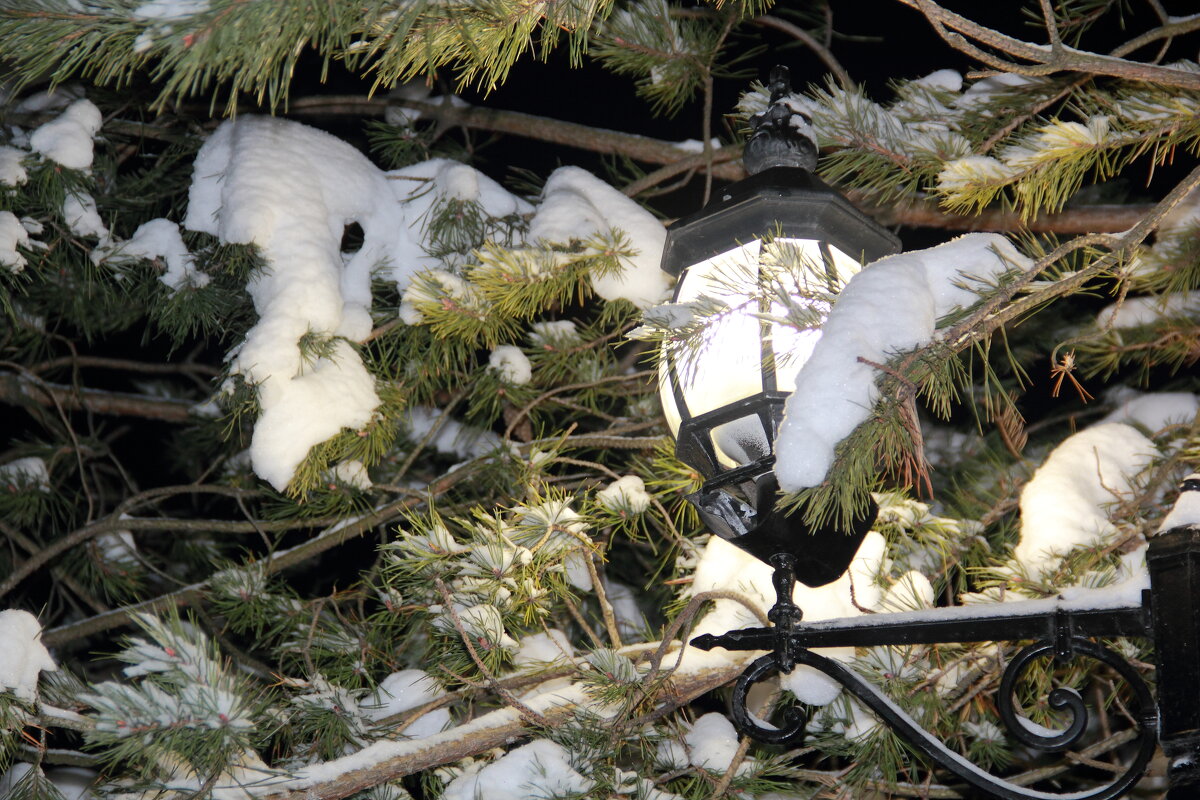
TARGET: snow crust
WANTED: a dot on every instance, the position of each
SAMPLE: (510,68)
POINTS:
(22,654)
(12,234)
(67,139)
(405,690)
(539,769)
(1063,504)
(890,306)
(578,205)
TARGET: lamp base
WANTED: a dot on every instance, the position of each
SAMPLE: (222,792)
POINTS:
(821,555)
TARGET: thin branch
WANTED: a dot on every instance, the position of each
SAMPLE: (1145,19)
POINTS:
(334,535)
(804,37)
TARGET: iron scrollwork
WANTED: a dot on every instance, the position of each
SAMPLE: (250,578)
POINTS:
(1063,635)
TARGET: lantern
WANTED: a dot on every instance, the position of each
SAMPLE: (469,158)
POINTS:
(781,230)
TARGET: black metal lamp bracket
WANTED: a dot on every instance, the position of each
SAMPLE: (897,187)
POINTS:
(1169,613)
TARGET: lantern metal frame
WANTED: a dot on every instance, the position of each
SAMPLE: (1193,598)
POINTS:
(738,504)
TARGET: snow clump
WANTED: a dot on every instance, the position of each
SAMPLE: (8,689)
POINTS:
(12,171)
(22,654)
(67,139)
(170,9)
(1186,510)
(403,691)
(626,495)
(291,190)
(712,743)
(890,306)
(80,214)
(511,364)
(30,471)
(1153,411)
(160,238)
(1063,504)
(578,205)
(12,234)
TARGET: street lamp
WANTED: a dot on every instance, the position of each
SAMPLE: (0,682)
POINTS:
(724,404)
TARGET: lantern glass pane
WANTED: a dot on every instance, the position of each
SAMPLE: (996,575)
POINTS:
(729,365)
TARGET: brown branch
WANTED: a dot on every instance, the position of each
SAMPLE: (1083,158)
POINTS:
(925,214)
(101,362)
(804,37)
(117,521)
(545,129)
(15,391)
(913,212)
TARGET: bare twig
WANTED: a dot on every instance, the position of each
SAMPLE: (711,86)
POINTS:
(820,50)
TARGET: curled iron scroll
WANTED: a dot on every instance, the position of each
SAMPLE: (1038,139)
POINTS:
(899,721)
(792,729)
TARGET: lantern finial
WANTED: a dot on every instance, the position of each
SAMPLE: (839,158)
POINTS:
(782,136)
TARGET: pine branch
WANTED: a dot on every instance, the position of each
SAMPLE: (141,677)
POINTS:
(726,165)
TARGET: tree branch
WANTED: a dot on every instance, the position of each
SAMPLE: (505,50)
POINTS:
(16,391)
(1046,60)
(332,536)
(545,129)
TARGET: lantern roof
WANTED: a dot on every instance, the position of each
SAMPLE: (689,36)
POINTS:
(785,201)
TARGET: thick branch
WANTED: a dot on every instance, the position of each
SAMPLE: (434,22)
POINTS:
(727,166)
(15,391)
(386,761)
